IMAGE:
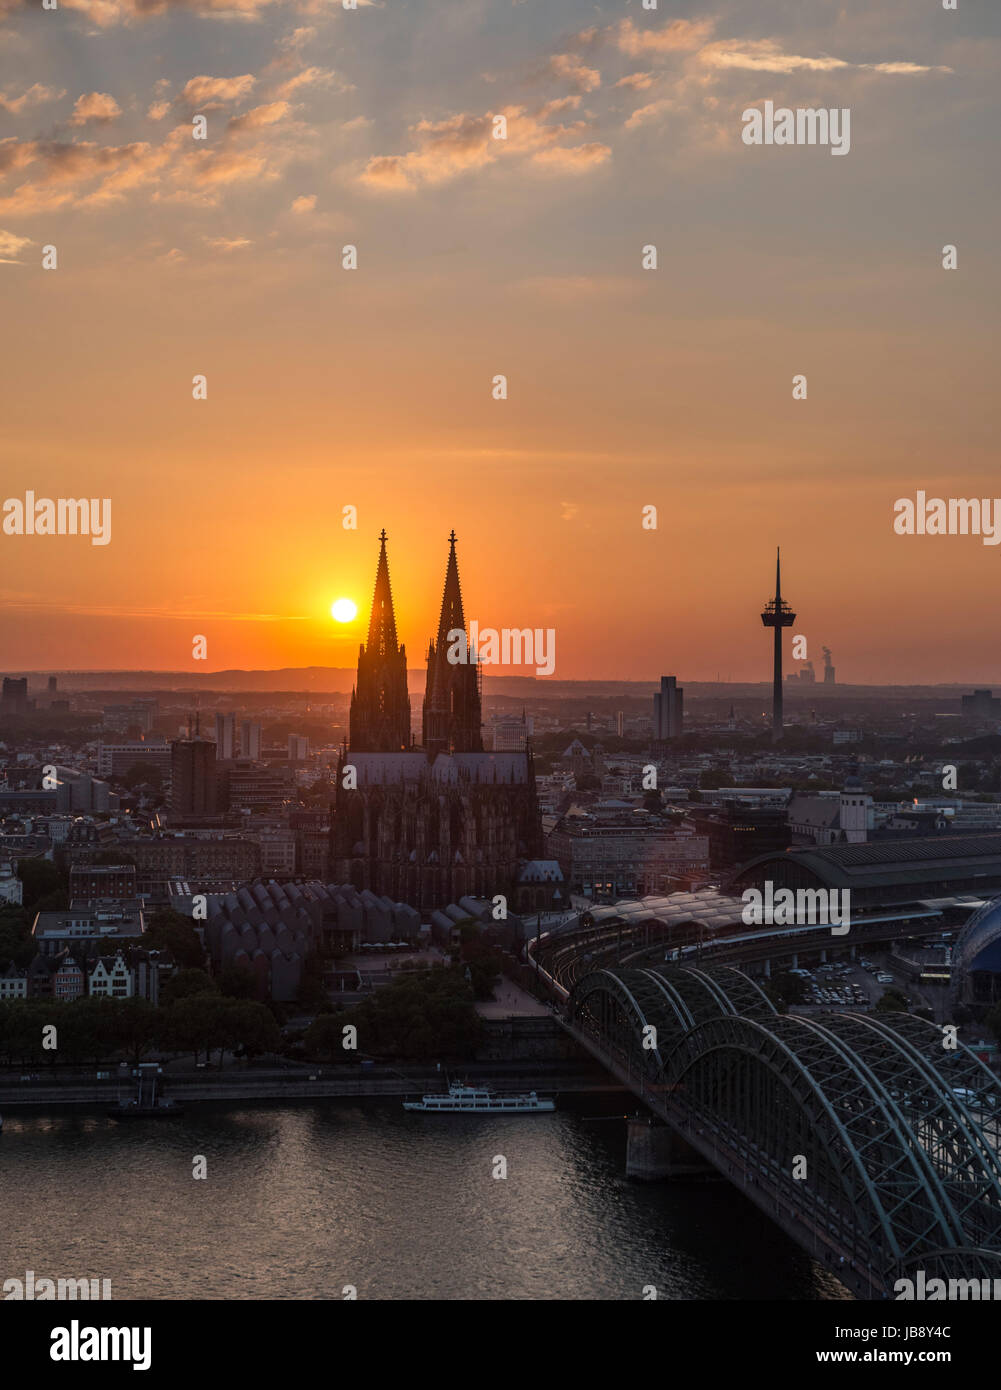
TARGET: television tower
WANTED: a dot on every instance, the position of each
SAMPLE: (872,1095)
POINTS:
(777,615)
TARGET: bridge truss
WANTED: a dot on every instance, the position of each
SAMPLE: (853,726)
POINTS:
(870,1141)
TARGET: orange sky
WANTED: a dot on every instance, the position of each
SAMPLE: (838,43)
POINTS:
(373,387)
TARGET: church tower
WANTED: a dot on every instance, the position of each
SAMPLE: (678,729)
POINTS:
(380,703)
(452,713)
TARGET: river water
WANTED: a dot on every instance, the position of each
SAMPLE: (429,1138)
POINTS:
(301,1201)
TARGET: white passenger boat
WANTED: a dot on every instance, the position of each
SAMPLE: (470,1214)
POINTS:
(478,1100)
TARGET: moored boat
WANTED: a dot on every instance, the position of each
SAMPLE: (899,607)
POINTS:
(479,1100)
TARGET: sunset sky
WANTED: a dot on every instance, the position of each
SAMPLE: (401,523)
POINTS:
(479,257)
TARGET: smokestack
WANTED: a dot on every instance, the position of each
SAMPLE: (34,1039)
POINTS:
(828,668)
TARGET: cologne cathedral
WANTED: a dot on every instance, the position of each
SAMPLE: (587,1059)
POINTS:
(427,825)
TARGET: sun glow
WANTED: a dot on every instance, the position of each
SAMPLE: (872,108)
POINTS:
(344,610)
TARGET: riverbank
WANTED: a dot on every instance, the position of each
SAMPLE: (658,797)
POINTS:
(313,1083)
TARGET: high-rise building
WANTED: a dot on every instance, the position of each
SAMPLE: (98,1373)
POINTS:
(14,698)
(828,668)
(298,748)
(225,737)
(52,685)
(668,709)
(620,723)
(982,704)
(379,720)
(250,740)
(193,778)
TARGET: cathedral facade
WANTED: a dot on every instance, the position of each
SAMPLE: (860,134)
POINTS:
(428,825)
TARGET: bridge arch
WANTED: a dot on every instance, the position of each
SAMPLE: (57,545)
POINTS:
(898,1165)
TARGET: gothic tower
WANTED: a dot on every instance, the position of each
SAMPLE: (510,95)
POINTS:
(380,703)
(452,714)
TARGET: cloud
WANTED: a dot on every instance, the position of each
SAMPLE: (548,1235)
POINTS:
(765,55)
(308,77)
(637,81)
(34,96)
(11,247)
(157,110)
(650,112)
(577,159)
(107,13)
(93,176)
(304,203)
(95,108)
(227,244)
(298,39)
(568,510)
(260,116)
(172,257)
(201,90)
(569,67)
(463,143)
(680,36)
(60,168)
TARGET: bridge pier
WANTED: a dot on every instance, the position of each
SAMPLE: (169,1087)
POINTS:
(654,1151)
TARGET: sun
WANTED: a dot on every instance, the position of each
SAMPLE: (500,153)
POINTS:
(344,610)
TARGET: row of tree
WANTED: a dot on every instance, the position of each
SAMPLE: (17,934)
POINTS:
(96,1029)
(422,1016)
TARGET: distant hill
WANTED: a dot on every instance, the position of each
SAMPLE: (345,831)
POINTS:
(338,680)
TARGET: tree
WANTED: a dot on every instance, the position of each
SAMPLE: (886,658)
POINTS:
(41,879)
(237,982)
(419,1017)
(16,943)
(192,1024)
(139,1025)
(185,983)
(168,930)
(891,1001)
(254,1027)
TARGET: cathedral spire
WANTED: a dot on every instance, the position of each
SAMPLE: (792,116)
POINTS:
(452,709)
(451,619)
(382,623)
(380,703)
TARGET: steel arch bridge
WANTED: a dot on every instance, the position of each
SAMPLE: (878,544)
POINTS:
(895,1137)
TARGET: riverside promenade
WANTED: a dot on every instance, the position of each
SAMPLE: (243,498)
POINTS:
(82,1087)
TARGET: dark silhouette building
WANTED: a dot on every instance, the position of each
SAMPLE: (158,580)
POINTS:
(668,709)
(14,698)
(777,615)
(193,787)
(428,826)
(380,703)
(452,704)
